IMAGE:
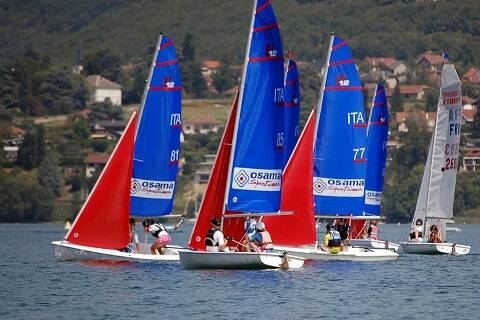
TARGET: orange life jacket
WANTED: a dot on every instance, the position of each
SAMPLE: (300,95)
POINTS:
(374,232)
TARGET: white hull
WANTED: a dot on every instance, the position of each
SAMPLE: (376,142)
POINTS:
(376,244)
(237,260)
(65,250)
(348,254)
(434,248)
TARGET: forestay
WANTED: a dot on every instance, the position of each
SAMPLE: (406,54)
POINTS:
(340,157)
(377,137)
(258,145)
(157,143)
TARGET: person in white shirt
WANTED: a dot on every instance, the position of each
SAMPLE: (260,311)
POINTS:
(416,232)
(215,240)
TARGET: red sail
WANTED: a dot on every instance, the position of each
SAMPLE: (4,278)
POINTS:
(213,201)
(357,227)
(103,221)
(297,195)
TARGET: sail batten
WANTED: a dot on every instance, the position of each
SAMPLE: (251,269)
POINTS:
(157,144)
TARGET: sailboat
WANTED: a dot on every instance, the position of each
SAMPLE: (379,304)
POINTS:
(377,137)
(139,178)
(435,200)
(246,177)
(329,163)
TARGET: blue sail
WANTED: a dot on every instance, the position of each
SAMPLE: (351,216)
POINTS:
(340,158)
(292,108)
(157,143)
(258,145)
(377,137)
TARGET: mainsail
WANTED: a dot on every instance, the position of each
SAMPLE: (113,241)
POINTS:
(377,137)
(157,143)
(340,157)
(435,200)
(255,170)
(292,108)
(103,220)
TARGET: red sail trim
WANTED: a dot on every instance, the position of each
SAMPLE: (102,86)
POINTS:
(291,104)
(339,45)
(381,103)
(213,201)
(165,89)
(357,227)
(340,88)
(262,59)
(166,63)
(291,82)
(377,123)
(360,125)
(346,61)
(167,44)
(103,221)
(297,195)
(266,27)
(360,160)
(262,7)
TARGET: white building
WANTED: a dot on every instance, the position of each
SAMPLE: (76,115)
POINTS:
(103,90)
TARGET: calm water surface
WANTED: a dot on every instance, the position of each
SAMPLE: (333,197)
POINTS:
(36,286)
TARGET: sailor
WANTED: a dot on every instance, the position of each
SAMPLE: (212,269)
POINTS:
(159,231)
(434,235)
(373,230)
(250,230)
(261,240)
(215,240)
(416,233)
(343,228)
(133,238)
(332,242)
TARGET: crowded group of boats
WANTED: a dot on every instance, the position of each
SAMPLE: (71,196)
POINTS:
(270,185)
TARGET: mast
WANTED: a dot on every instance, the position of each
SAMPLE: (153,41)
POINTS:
(147,86)
(322,89)
(239,109)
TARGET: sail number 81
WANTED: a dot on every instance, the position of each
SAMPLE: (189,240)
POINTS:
(174,155)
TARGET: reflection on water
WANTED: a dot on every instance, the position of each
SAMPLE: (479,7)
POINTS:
(36,286)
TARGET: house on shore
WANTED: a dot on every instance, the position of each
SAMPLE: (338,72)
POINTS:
(104,90)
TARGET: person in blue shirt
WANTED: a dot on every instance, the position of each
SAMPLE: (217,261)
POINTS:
(250,230)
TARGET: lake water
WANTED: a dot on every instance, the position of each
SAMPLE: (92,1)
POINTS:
(34,285)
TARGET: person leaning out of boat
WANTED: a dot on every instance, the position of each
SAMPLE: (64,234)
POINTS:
(373,230)
(261,240)
(250,230)
(416,233)
(434,236)
(332,242)
(159,231)
(215,240)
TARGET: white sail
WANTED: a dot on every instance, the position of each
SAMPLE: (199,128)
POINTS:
(421,207)
(446,144)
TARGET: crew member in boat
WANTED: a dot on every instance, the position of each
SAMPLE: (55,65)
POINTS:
(133,238)
(159,231)
(332,242)
(344,229)
(373,230)
(434,236)
(261,240)
(250,230)
(416,233)
(215,240)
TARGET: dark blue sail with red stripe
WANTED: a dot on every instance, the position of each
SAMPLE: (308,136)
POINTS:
(292,108)
(377,137)
(258,145)
(340,157)
(157,142)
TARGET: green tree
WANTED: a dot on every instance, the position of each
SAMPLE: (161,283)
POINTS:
(192,78)
(397,100)
(49,175)
(188,48)
(105,63)
(32,150)
(476,126)
(431,101)
(224,78)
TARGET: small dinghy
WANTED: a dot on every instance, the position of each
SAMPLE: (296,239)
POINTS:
(139,178)
(246,176)
(435,200)
(323,176)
